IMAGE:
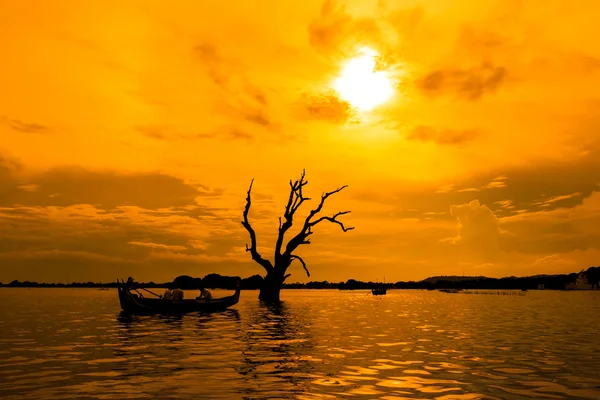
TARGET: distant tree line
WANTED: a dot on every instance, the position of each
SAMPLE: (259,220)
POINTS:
(557,282)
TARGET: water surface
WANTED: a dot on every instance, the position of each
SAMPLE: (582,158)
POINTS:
(74,343)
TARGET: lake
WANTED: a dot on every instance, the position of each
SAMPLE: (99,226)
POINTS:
(75,344)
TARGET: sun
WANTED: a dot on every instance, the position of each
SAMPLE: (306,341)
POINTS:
(361,85)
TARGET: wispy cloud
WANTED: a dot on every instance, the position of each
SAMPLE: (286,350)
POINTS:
(441,136)
(470,84)
(555,199)
(505,203)
(159,246)
(328,108)
(498,182)
(24,127)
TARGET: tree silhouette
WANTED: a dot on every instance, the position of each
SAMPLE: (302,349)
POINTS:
(276,272)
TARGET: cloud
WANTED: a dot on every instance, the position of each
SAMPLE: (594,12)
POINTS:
(9,167)
(328,108)
(479,42)
(334,28)
(67,186)
(258,117)
(159,246)
(505,203)
(469,84)
(478,228)
(29,188)
(425,133)
(235,133)
(555,199)
(73,219)
(171,134)
(404,21)
(496,183)
(554,260)
(239,98)
(560,230)
(531,187)
(24,127)
(154,132)
(126,237)
(445,188)
(217,66)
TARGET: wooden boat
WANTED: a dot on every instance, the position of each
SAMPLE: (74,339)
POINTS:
(136,303)
(379,291)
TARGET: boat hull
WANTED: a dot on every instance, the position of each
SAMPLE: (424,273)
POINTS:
(134,304)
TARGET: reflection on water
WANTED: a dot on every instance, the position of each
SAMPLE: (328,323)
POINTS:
(274,339)
(74,343)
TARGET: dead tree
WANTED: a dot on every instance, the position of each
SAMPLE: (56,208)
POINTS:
(284,256)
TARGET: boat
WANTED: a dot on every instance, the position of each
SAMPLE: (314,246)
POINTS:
(450,290)
(136,303)
(379,291)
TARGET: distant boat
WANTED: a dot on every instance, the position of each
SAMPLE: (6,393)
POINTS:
(581,283)
(380,291)
(138,304)
(450,290)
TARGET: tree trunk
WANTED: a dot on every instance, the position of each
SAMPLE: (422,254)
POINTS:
(271,287)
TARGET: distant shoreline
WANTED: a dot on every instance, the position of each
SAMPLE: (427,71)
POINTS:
(547,282)
(292,288)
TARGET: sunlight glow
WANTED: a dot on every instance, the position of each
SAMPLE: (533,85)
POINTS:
(361,85)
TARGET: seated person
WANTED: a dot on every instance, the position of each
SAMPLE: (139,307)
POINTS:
(168,295)
(130,283)
(177,294)
(204,295)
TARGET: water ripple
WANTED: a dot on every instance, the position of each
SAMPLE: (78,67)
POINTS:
(68,343)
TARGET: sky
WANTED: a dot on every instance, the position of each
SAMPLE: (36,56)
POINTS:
(130,132)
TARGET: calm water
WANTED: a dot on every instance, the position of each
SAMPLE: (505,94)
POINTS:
(74,344)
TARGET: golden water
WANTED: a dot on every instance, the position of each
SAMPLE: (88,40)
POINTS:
(74,344)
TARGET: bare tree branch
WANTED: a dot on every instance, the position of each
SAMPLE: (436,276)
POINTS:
(266,264)
(334,220)
(294,202)
(293,256)
(302,236)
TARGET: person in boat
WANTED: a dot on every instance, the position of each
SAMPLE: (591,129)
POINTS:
(177,294)
(204,295)
(130,282)
(168,294)
(131,285)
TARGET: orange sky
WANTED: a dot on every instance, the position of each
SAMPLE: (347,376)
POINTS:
(129,132)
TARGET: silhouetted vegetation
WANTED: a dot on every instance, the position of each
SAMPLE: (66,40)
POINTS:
(255,282)
(284,255)
(184,282)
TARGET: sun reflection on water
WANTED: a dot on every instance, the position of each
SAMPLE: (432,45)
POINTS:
(407,344)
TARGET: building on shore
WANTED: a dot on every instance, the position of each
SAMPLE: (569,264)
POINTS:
(581,283)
